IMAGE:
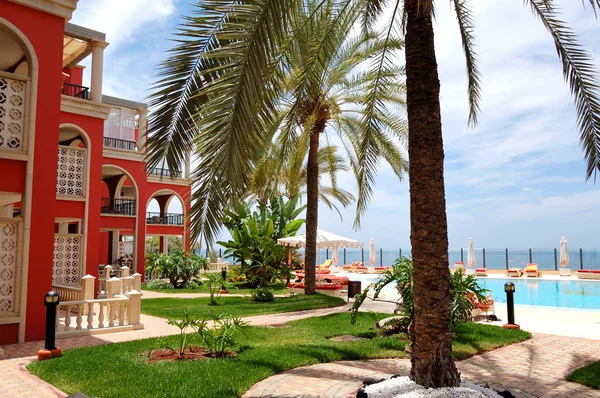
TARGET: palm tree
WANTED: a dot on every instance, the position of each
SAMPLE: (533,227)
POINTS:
(324,79)
(276,176)
(230,50)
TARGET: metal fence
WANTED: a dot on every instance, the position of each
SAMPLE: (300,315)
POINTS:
(547,259)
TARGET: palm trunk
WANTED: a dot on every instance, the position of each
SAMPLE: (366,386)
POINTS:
(431,338)
(312,211)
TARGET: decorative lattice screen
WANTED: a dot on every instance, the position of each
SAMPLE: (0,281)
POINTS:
(8,265)
(12,105)
(67,260)
(71,171)
(125,248)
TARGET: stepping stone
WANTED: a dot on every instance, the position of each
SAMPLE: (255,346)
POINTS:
(346,337)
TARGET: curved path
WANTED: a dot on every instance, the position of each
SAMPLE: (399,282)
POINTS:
(535,368)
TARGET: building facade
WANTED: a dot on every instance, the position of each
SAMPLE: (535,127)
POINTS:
(74,189)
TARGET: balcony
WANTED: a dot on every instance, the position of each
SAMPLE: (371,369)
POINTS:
(164,219)
(74,90)
(157,171)
(120,207)
(119,144)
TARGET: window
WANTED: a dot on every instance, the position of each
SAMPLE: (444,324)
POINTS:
(121,124)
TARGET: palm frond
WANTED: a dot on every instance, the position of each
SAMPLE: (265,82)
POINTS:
(464,16)
(579,71)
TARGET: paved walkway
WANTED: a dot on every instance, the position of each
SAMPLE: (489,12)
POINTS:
(535,368)
(16,381)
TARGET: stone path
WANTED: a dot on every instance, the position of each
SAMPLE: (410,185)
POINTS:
(535,368)
(16,381)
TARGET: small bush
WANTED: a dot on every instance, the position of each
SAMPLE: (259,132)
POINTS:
(263,295)
(158,284)
(193,285)
(221,336)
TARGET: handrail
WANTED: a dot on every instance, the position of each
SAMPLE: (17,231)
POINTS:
(161,172)
(118,143)
(164,219)
(118,206)
(75,90)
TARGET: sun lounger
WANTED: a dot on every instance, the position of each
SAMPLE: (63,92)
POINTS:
(516,272)
(532,270)
(484,306)
(481,272)
(588,274)
(459,265)
(326,264)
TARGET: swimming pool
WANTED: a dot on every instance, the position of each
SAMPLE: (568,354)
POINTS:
(547,293)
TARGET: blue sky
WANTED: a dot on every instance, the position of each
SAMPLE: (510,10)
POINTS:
(517,180)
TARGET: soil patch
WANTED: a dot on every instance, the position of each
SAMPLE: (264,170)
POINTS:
(191,353)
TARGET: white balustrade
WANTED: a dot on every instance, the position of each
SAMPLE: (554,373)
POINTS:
(216,267)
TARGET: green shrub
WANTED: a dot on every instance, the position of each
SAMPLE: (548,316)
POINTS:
(263,295)
(158,284)
(215,283)
(461,286)
(221,336)
(193,285)
(179,266)
(184,325)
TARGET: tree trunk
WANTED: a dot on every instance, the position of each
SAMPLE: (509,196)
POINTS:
(431,338)
(312,210)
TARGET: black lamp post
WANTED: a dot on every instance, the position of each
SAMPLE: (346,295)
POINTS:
(51,301)
(509,288)
(224,276)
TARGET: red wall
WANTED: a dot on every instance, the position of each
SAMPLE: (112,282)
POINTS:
(13,175)
(45,32)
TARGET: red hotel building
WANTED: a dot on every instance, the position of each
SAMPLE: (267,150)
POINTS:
(74,190)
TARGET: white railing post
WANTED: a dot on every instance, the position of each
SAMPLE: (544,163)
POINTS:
(124,271)
(134,307)
(113,287)
(87,290)
(127,284)
(137,282)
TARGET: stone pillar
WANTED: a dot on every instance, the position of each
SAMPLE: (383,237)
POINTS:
(124,271)
(63,228)
(142,130)
(134,307)
(186,173)
(7,211)
(115,246)
(164,244)
(114,286)
(87,288)
(137,282)
(97,70)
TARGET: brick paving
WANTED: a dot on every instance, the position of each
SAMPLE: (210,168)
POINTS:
(535,368)
(16,381)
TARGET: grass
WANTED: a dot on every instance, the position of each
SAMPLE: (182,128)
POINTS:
(121,370)
(235,288)
(588,375)
(236,306)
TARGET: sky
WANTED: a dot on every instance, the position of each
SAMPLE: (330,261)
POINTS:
(516,180)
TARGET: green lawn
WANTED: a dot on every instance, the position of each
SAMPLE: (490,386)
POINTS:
(588,375)
(120,370)
(237,306)
(235,288)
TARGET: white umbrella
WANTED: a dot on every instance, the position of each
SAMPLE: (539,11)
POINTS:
(471,254)
(372,253)
(334,256)
(564,253)
(325,240)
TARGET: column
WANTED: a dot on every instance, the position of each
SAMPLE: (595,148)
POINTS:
(142,129)
(97,70)
(164,244)
(186,173)
(63,228)
(115,246)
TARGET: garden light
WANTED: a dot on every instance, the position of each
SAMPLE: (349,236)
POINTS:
(51,301)
(509,288)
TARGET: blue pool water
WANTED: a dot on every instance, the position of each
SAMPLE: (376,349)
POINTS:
(547,293)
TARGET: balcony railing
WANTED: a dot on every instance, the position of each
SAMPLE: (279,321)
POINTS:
(157,171)
(75,90)
(164,219)
(122,207)
(120,144)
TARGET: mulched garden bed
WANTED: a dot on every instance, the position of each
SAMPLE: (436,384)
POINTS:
(191,353)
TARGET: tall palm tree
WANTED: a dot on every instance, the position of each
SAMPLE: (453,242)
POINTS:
(279,176)
(233,52)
